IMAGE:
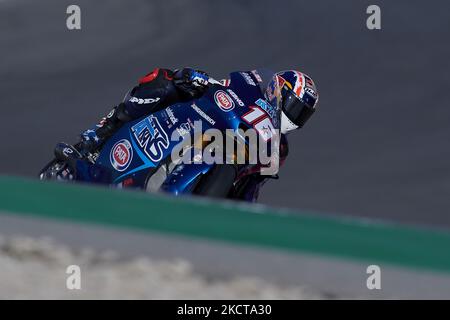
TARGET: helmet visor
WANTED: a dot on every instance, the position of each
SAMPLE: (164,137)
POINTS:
(297,110)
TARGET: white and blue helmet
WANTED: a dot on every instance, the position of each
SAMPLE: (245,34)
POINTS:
(295,94)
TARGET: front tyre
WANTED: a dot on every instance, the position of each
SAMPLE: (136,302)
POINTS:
(218,182)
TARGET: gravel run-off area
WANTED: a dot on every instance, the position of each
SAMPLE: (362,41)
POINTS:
(36,269)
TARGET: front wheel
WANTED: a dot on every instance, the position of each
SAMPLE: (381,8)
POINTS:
(218,182)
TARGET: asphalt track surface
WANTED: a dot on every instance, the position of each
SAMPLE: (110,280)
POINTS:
(378,146)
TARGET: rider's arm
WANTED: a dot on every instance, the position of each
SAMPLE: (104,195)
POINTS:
(163,87)
(158,89)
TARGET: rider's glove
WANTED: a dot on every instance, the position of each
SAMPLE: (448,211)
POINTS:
(191,82)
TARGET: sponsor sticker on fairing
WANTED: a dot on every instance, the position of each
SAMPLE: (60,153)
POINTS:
(236,97)
(257,76)
(151,137)
(248,78)
(271,110)
(184,129)
(223,100)
(144,101)
(203,114)
(121,155)
(172,117)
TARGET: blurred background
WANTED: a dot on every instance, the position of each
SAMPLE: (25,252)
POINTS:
(378,146)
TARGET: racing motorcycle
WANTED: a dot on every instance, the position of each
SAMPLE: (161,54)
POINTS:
(140,154)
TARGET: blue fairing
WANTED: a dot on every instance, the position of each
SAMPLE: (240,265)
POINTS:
(141,145)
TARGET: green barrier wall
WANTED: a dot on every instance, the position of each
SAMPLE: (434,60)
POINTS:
(229,222)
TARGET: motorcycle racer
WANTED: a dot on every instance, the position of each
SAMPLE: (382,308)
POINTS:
(293,92)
